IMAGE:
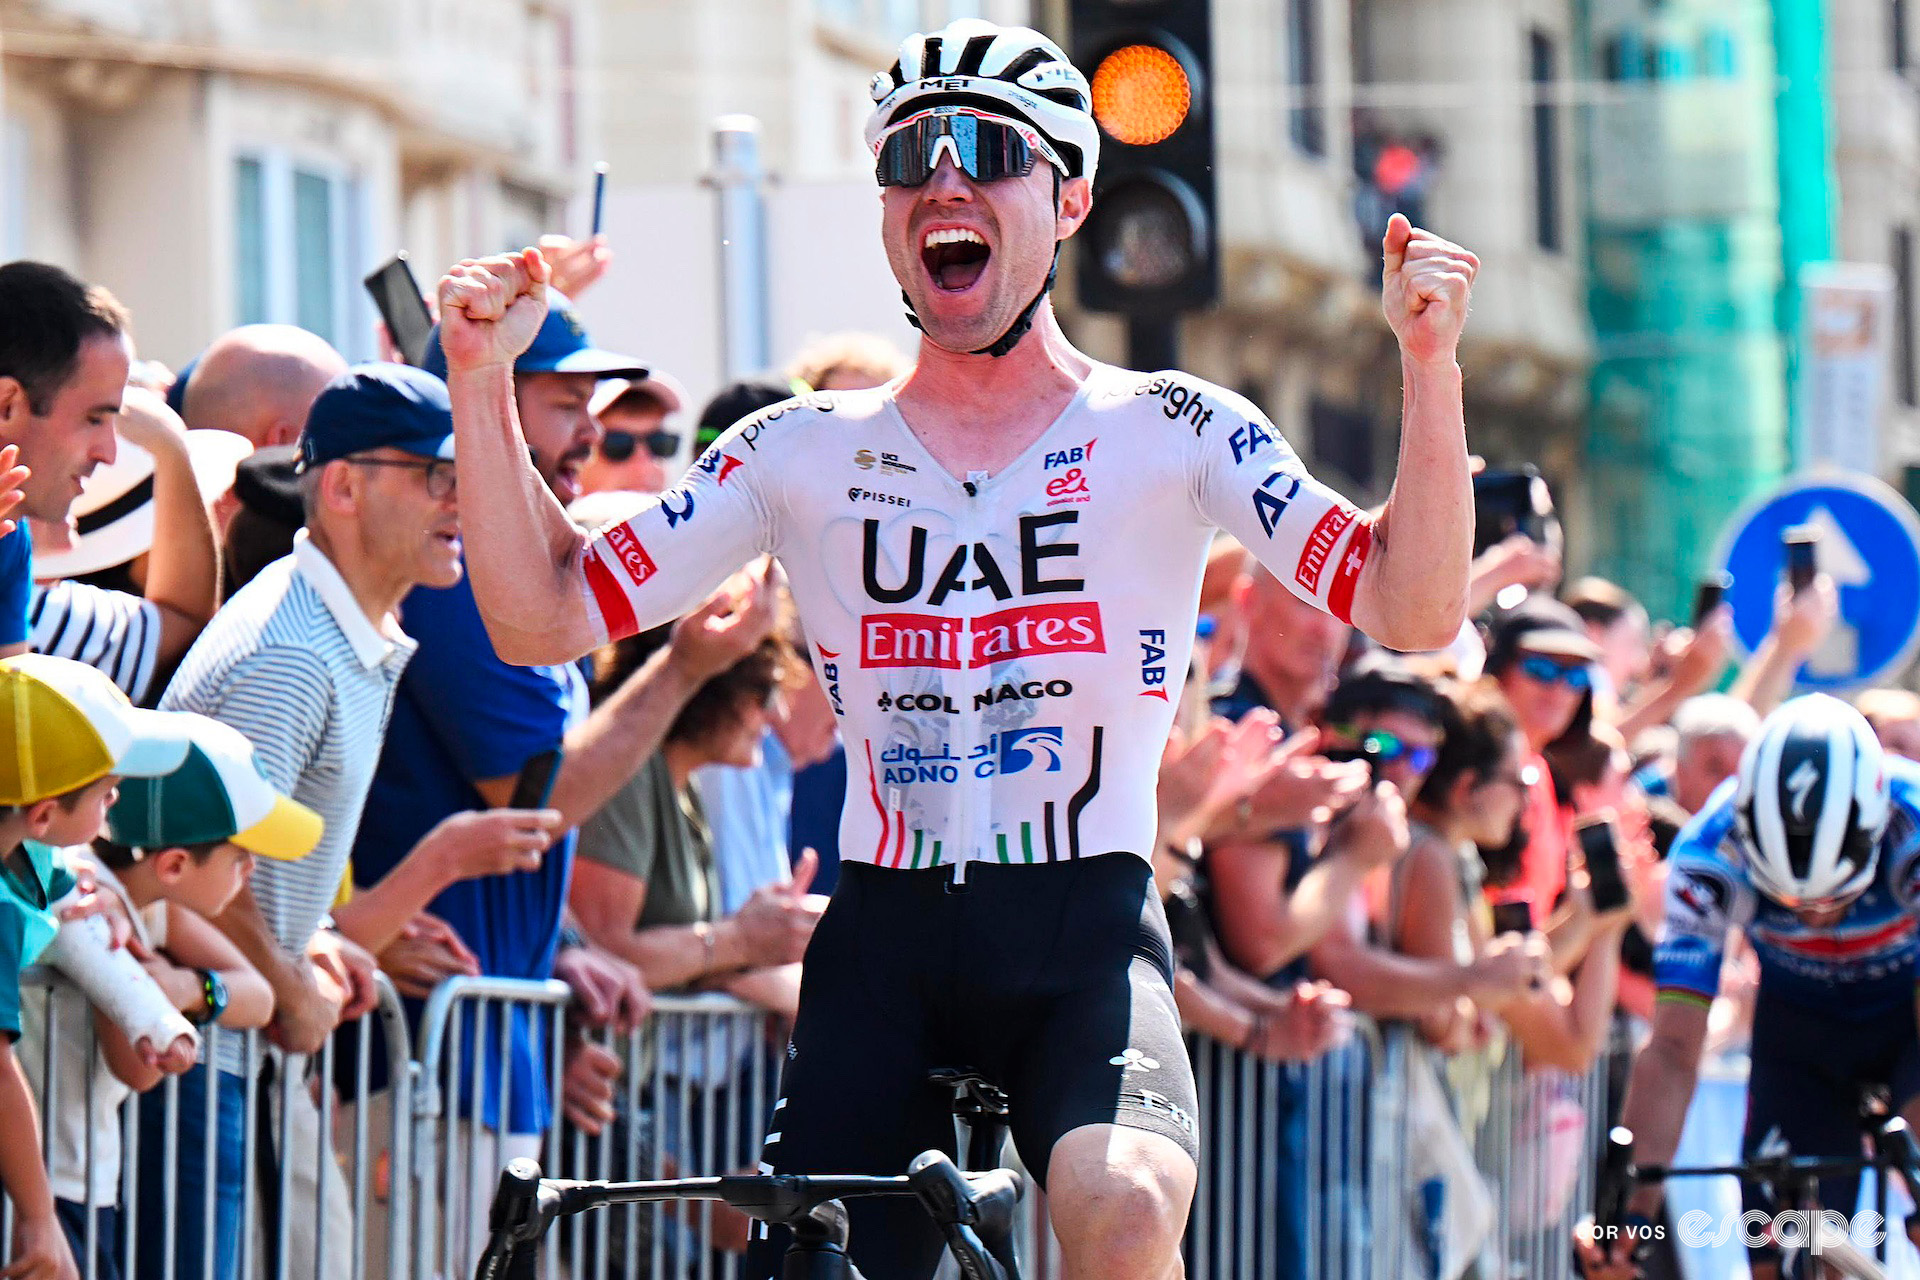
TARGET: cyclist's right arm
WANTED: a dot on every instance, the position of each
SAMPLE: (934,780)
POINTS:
(547,592)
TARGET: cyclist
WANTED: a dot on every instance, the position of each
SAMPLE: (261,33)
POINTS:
(997,560)
(1812,849)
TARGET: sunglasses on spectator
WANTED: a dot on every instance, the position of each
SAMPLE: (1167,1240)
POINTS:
(1390,748)
(1538,667)
(617,445)
(984,148)
(439,472)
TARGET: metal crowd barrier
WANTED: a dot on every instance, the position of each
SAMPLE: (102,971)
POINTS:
(324,1190)
(1304,1167)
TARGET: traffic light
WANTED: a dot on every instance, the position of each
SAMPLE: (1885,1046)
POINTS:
(1151,246)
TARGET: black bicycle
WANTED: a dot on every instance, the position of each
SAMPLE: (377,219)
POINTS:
(1786,1179)
(974,1211)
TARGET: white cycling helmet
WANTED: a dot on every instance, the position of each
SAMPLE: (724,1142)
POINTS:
(1812,802)
(1013,72)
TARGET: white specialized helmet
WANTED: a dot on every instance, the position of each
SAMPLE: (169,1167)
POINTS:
(1812,803)
(1006,71)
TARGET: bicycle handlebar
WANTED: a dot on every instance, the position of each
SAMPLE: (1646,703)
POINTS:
(1893,1148)
(973,1210)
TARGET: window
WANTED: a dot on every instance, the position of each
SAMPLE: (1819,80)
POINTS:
(1306,118)
(1546,143)
(1906,375)
(296,245)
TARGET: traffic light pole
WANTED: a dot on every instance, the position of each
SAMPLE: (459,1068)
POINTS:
(1153,342)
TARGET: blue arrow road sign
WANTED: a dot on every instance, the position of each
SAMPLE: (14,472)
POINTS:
(1870,547)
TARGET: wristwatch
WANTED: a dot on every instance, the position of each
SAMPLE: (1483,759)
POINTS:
(213,990)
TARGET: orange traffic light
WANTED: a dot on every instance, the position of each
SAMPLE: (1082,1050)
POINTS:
(1141,95)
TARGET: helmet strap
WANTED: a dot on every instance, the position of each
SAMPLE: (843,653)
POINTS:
(1024,321)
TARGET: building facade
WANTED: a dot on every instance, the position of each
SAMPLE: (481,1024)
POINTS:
(215,164)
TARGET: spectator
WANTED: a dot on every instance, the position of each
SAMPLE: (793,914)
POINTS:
(1618,623)
(1402,719)
(152,568)
(304,662)
(1542,659)
(1204,775)
(1472,796)
(737,400)
(647,886)
(636,446)
(1710,732)
(1895,717)
(846,362)
(1477,793)
(64,358)
(74,738)
(259,381)
(1629,691)
(182,845)
(1267,909)
(750,810)
(267,513)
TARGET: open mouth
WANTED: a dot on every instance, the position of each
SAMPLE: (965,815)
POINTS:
(955,258)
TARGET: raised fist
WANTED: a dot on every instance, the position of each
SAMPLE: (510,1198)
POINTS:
(1424,289)
(491,308)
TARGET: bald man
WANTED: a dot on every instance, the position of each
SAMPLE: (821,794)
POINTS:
(259,380)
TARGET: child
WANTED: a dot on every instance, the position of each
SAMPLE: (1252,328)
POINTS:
(70,737)
(181,847)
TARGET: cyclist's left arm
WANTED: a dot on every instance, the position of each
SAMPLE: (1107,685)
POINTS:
(1250,482)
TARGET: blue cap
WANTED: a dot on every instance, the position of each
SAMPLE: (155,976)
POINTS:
(561,346)
(378,406)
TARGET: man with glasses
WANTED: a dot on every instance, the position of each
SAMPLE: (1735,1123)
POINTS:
(996,560)
(636,444)
(304,661)
(1544,662)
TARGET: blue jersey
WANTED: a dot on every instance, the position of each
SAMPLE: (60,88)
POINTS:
(1858,968)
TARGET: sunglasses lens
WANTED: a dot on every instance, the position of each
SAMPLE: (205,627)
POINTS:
(617,446)
(985,150)
(663,444)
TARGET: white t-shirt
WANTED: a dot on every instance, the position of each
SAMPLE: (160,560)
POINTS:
(60,1015)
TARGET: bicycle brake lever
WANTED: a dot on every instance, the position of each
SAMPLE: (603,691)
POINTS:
(513,1219)
(974,1213)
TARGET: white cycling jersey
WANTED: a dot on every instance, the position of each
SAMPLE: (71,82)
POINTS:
(1003,651)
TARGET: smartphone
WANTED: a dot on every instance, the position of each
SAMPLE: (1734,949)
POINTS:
(599,196)
(1510,502)
(1801,546)
(1512,917)
(1602,851)
(534,787)
(397,294)
(1709,595)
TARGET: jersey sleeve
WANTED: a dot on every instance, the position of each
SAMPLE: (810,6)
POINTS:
(669,555)
(1247,480)
(1706,896)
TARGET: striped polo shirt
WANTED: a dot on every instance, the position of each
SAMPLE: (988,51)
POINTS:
(293,662)
(111,630)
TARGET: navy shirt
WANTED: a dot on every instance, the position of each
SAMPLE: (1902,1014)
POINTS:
(16,584)
(464,716)
(819,794)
